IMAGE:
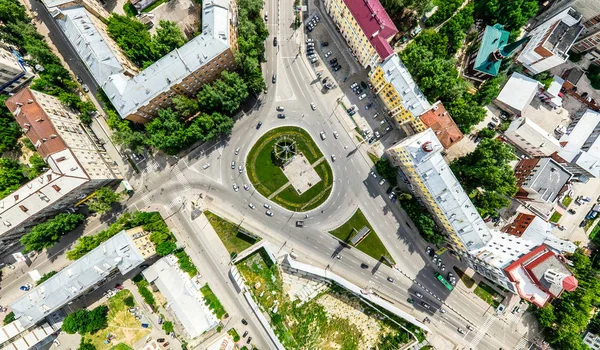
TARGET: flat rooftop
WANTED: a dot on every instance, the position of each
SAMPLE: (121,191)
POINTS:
(395,73)
(547,179)
(119,252)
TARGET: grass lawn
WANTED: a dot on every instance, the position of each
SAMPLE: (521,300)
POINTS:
(121,346)
(594,232)
(126,328)
(234,334)
(212,301)
(371,245)
(555,216)
(228,232)
(267,177)
(488,294)
(566,201)
(154,5)
(589,224)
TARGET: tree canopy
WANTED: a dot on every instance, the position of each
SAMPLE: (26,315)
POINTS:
(84,322)
(486,175)
(513,14)
(224,95)
(48,233)
(252,33)
(11,176)
(103,200)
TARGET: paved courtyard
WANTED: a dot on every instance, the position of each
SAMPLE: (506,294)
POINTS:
(301,173)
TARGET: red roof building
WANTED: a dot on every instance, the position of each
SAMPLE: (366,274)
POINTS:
(440,121)
(541,275)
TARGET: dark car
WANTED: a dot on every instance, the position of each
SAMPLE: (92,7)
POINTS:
(389,190)
(491,126)
(572,211)
(244,322)
(364,266)
(390,279)
(274,80)
(333,61)
(299,223)
(160,340)
(144,266)
(324,43)
(281,116)
(274,41)
(245,334)
(258,125)
(249,340)
(363,84)
(79,80)
(582,223)
(337,68)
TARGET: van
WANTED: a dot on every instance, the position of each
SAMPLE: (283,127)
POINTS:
(293,255)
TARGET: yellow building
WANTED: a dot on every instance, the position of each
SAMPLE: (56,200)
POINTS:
(400,94)
(365,26)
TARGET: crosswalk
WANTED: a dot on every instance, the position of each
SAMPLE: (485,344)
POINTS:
(182,180)
(174,202)
(147,200)
(522,345)
(481,332)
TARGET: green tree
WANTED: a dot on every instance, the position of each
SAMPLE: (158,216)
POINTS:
(10,131)
(167,327)
(133,38)
(168,37)
(11,315)
(165,248)
(11,176)
(130,9)
(513,14)
(545,315)
(487,133)
(84,322)
(385,168)
(37,166)
(86,344)
(466,112)
(223,95)
(185,105)
(486,175)
(45,277)
(445,10)
(490,89)
(48,233)
(103,200)
(168,132)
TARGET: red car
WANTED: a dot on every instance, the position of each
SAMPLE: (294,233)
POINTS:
(119,287)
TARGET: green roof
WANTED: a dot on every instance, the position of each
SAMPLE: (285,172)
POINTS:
(494,38)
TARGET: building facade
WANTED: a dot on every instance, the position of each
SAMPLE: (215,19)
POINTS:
(402,98)
(551,41)
(78,164)
(485,250)
(366,27)
(138,96)
(13,73)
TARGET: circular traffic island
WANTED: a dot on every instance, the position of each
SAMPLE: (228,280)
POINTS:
(286,166)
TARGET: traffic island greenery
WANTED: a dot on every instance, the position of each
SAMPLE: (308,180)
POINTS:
(267,177)
(370,245)
(334,319)
(213,303)
(229,233)
(488,294)
(567,201)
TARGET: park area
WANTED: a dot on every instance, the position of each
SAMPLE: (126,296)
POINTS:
(332,319)
(291,148)
(126,329)
(234,238)
(370,245)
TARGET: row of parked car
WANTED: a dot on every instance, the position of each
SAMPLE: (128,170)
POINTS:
(310,51)
(312,23)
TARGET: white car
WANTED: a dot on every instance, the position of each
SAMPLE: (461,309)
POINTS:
(237,151)
(235,187)
(377,134)
(232,165)
(362,96)
(333,157)
(269,213)
(313,106)
(323,136)
(335,134)
(354,85)
(267,206)
(373,174)
(328,54)
(240,169)
(246,187)
(206,166)
(382,182)
(251,206)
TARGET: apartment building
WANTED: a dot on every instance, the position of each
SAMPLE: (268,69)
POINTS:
(485,250)
(442,124)
(366,27)
(92,6)
(138,96)
(400,94)
(78,164)
(531,138)
(551,41)
(13,73)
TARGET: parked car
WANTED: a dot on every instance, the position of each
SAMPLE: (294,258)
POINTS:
(313,106)
(244,322)
(325,43)
(362,96)
(333,61)
(591,215)
(335,134)
(274,79)
(85,88)
(275,41)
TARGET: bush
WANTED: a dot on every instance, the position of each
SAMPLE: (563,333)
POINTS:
(130,10)
(45,277)
(129,301)
(185,263)
(147,295)
(9,318)
(165,248)
(168,327)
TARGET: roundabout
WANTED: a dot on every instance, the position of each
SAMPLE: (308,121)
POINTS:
(286,166)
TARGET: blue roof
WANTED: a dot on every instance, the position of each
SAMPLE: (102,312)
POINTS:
(494,38)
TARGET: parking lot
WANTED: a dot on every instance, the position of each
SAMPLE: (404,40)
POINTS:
(329,55)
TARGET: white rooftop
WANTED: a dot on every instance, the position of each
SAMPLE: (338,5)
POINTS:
(118,252)
(396,73)
(182,295)
(583,143)
(26,340)
(446,190)
(519,91)
(129,94)
(90,44)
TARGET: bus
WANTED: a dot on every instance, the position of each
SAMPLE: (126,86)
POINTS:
(443,280)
